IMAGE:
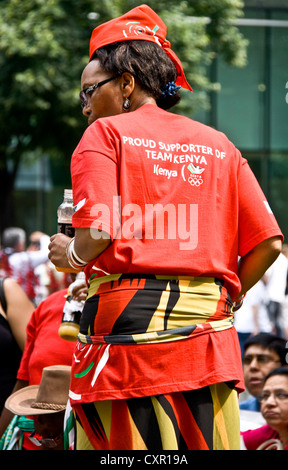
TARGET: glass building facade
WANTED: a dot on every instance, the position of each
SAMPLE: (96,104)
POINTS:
(252,105)
(251,108)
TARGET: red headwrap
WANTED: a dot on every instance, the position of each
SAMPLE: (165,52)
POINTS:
(140,23)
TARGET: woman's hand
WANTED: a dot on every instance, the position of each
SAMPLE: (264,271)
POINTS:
(86,246)
(80,292)
(57,250)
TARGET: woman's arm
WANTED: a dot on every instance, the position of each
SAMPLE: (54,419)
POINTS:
(256,262)
(7,415)
(19,310)
(89,244)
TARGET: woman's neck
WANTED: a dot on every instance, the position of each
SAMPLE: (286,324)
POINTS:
(139,98)
(283,435)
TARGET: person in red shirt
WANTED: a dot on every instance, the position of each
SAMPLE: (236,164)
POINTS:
(164,207)
(43,347)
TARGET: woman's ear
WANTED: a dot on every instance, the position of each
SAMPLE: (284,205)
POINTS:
(127,84)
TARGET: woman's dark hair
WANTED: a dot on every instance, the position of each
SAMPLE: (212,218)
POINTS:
(283,370)
(147,62)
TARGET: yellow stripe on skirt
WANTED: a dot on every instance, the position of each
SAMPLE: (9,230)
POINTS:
(203,419)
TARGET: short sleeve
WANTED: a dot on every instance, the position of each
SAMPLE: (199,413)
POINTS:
(256,219)
(95,182)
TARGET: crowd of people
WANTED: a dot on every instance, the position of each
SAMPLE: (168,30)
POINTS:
(157,355)
(28,264)
(30,342)
(265,309)
(264,414)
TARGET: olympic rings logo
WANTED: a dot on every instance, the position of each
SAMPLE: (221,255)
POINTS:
(194,181)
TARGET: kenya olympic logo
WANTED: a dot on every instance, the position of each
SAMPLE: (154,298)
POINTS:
(194,177)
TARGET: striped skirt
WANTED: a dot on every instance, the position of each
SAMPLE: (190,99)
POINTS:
(203,419)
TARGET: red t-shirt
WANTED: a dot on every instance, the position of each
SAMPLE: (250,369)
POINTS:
(43,346)
(264,437)
(175,196)
(177,199)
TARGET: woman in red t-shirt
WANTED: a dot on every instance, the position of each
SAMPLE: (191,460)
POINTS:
(164,206)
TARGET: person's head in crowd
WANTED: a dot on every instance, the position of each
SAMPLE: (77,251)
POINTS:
(34,241)
(285,249)
(274,402)
(13,239)
(262,353)
(46,404)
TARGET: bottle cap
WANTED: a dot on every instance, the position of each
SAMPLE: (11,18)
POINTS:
(68,193)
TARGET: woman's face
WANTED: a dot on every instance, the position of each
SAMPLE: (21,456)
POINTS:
(107,100)
(274,402)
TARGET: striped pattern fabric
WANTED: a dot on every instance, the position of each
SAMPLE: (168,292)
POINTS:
(203,419)
(153,309)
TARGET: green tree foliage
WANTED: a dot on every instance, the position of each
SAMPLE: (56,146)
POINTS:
(44,47)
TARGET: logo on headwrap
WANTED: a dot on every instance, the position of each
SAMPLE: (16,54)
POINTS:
(135,28)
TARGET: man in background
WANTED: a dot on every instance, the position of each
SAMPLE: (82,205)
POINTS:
(262,353)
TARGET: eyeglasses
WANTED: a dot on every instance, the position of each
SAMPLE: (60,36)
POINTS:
(262,359)
(90,90)
(35,243)
(278,396)
(47,441)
